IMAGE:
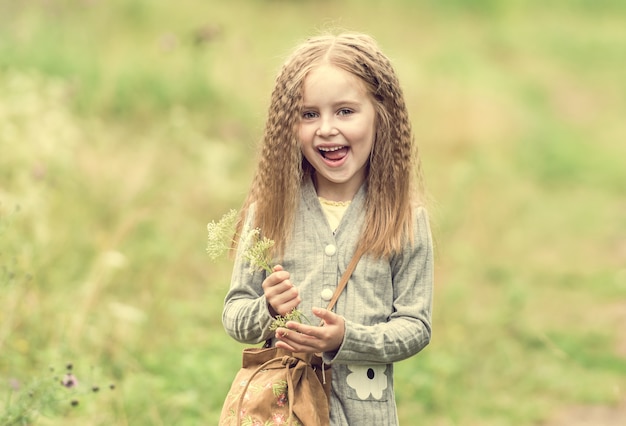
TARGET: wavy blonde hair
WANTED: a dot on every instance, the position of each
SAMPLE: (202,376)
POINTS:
(394,176)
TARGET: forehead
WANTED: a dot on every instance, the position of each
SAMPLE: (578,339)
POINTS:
(327,79)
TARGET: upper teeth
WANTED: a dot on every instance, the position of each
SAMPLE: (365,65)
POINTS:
(336,148)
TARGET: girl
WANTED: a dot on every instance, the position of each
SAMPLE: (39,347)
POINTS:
(338,172)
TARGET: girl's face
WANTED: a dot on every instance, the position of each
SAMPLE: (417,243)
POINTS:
(336,130)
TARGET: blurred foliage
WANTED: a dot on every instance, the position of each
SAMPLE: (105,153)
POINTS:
(127,125)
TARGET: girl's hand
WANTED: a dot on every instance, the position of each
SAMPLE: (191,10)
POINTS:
(281,295)
(309,338)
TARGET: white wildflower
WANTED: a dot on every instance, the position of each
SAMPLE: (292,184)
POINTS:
(256,249)
(221,234)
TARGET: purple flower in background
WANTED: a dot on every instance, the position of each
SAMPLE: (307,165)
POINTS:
(69,381)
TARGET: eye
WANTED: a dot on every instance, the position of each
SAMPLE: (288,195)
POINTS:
(345,111)
(309,115)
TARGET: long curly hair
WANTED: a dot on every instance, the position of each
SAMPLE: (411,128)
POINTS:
(394,182)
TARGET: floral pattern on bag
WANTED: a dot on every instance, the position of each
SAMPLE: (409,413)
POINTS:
(276,387)
(278,418)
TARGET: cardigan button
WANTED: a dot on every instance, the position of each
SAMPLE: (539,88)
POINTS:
(327,294)
(330,250)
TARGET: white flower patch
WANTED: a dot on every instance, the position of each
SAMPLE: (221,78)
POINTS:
(367,380)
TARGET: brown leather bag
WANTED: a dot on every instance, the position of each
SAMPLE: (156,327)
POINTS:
(276,386)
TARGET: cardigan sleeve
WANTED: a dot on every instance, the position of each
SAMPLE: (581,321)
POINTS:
(408,328)
(245,315)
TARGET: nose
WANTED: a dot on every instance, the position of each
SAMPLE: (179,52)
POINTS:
(327,127)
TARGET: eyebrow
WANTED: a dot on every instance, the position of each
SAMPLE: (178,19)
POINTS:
(339,103)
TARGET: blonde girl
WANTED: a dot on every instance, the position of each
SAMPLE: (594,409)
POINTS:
(338,171)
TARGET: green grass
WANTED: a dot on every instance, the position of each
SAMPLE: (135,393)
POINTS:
(125,127)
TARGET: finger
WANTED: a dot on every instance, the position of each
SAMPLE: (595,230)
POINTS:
(270,283)
(283,288)
(278,277)
(325,315)
(271,286)
(283,345)
(290,296)
(283,333)
(278,268)
(286,307)
(304,332)
(286,336)
(295,341)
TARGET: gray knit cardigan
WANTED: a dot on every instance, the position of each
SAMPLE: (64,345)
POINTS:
(387,304)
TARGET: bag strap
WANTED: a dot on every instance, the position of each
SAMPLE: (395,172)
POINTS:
(345,278)
(288,362)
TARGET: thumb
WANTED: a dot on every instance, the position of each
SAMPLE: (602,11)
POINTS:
(325,315)
(277,268)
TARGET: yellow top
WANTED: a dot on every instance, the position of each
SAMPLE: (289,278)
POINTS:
(334,211)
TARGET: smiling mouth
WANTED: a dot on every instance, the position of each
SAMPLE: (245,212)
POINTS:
(334,153)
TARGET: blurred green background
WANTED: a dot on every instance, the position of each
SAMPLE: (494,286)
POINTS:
(126,126)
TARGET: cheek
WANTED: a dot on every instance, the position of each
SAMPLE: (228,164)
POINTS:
(300,135)
(364,133)
(302,140)
(304,134)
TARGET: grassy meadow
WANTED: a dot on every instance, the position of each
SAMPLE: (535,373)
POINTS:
(127,125)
